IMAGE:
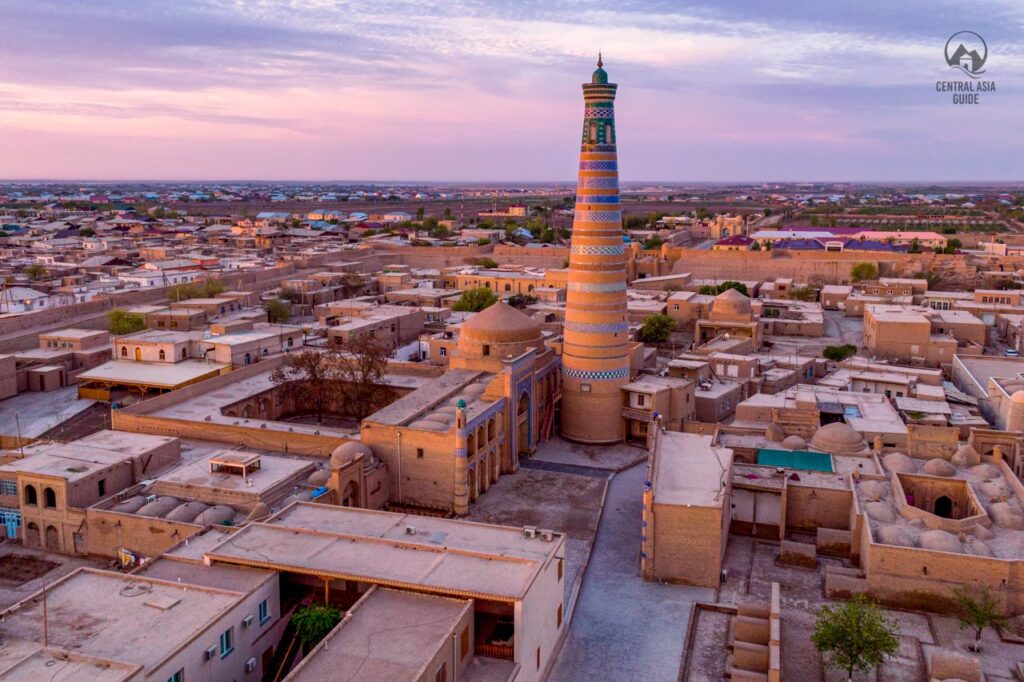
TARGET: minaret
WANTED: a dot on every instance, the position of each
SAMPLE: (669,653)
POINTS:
(595,355)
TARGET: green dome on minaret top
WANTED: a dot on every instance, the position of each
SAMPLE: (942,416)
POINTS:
(600,75)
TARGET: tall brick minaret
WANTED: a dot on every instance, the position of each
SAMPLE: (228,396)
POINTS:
(595,357)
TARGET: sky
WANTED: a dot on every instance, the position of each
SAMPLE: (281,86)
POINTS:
(489,90)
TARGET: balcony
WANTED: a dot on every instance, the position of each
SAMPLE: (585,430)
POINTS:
(639,414)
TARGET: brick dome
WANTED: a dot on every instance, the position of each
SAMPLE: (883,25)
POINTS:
(731,303)
(500,323)
(838,438)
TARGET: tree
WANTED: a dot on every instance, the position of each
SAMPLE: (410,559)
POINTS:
(521,300)
(475,300)
(855,635)
(361,364)
(733,284)
(756,246)
(314,622)
(121,322)
(86,232)
(703,213)
(864,271)
(419,213)
(311,379)
(483,241)
(839,353)
(803,294)
(488,263)
(657,328)
(652,243)
(36,272)
(278,311)
(978,609)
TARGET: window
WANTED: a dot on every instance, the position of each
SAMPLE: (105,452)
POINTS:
(419,453)
(264,611)
(641,399)
(177,677)
(101,487)
(49,498)
(124,351)
(184,353)
(444,352)
(8,487)
(163,355)
(227,642)
(30,495)
(487,349)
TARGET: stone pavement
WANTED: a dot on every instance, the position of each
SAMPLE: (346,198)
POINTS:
(625,628)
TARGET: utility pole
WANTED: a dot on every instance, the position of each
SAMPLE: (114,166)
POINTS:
(21,443)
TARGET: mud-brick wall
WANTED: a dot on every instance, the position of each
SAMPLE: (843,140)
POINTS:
(107,531)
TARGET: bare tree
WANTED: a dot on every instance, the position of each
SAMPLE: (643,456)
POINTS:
(347,379)
(362,362)
(310,379)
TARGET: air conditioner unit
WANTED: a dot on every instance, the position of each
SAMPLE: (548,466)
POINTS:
(209,653)
(247,621)
(150,498)
(250,665)
(547,535)
(529,532)
(410,530)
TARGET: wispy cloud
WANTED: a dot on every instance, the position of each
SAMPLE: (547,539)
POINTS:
(485,89)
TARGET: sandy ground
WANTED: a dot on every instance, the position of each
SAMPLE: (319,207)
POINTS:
(37,413)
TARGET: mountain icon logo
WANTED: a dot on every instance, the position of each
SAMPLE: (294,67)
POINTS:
(967,51)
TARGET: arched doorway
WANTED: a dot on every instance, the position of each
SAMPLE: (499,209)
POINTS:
(138,354)
(52,541)
(944,507)
(32,535)
(350,498)
(523,424)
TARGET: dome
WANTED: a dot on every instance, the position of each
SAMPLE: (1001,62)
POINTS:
(130,505)
(941,541)
(215,515)
(965,456)
(158,507)
(794,443)
(994,490)
(838,438)
(429,425)
(880,511)
(501,323)
(1005,515)
(939,467)
(899,463)
(731,302)
(1018,397)
(977,547)
(319,477)
(259,511)
(985,472)
(348,451)
(874,491)
(894,535)
(186,512)
(774,433)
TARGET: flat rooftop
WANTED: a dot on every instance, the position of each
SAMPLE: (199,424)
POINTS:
(119,617)
(196,474)
(54,664)
(450,557)
(356,649)
(689,470)
(158,374)
(68,461)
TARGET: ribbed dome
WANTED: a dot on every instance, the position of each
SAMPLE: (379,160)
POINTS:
(501,323)
(731,302)
(346,452)
(838,438)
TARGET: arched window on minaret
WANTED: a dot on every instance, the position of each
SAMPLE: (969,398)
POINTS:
(593,133)
(609,133)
